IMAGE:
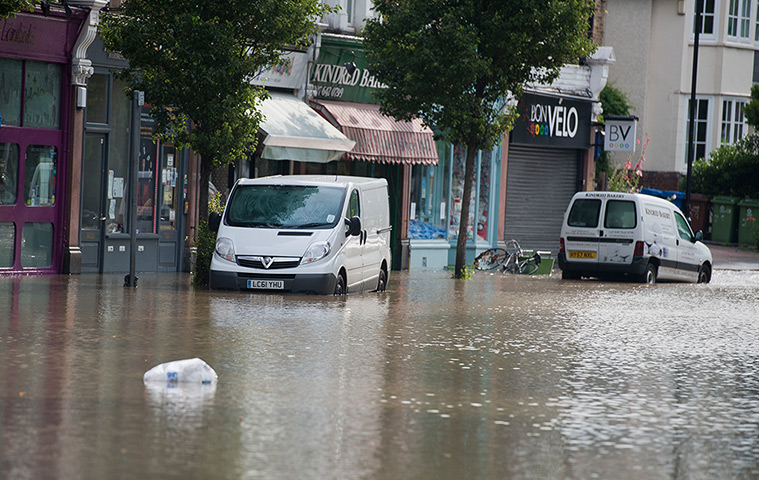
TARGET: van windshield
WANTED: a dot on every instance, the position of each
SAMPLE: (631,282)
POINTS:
(285,206)
(584,213)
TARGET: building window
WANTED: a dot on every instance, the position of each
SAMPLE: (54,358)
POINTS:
(739,19)
(733,121)
(708,14)
(701,127)
(40,94)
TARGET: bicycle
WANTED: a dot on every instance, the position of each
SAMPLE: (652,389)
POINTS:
(511,259)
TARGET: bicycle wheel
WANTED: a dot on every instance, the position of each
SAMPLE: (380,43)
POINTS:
(527,268)
(489,259)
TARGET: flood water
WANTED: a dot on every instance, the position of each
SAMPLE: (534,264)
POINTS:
(496,377)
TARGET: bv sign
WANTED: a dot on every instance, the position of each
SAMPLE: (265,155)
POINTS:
(620,134)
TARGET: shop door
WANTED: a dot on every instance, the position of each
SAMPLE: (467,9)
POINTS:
(92,205)
(31,236)
(171,210)
(540,185)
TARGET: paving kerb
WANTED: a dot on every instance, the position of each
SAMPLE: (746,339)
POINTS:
(727,257)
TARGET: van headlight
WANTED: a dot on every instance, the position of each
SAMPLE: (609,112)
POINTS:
(225,249)
(316,251)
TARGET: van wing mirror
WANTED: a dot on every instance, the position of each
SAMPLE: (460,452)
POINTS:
(699,236)
(354,226)
(214,220)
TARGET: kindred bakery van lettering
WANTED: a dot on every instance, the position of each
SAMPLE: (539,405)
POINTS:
(657,213)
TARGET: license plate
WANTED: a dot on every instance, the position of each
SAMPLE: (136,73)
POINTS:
(581,254)
(267,284)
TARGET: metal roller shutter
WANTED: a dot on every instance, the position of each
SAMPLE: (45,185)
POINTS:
(541,182)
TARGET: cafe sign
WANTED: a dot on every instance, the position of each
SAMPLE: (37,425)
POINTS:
(552,122)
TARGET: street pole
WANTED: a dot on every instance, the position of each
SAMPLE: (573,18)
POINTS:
(131,278)
(692,109)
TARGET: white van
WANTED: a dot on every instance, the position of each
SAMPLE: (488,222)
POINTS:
(303,233)
(629,234)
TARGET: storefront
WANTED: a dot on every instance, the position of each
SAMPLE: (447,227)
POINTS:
(37,105)
(548,160)
(436,196)
(163,181)
(384,148)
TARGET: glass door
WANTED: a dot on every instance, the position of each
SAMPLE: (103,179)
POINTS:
(170,212)
(93,209)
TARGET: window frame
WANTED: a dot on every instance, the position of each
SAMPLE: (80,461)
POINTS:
(729,126)
(707,142)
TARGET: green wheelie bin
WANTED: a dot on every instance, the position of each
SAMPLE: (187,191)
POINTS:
(724,219)
(747,227)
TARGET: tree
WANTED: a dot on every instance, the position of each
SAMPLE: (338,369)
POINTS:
(194,60)
(455,64)
(9,8)
(751,110)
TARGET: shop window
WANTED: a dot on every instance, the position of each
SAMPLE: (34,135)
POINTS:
(42,95)
(169,198)
(457,194)
(39,182)
(7,244)
(427,202)
(37,245)
(11,72)
(8,173)
(483,205)
(97,99)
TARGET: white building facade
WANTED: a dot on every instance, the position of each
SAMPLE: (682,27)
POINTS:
(653,42)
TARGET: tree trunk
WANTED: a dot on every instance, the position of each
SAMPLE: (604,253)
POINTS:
(466,202)
(205,177)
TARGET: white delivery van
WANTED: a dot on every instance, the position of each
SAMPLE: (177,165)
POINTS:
(303,233)
(607,234)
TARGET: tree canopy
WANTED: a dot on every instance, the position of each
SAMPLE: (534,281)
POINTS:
(455,65)
(9,8)
(194,61)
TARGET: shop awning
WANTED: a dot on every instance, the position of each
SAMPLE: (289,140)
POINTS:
(294,131)
(380,138)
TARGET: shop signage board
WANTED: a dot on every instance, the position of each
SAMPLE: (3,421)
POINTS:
(290,73)
(552,122)
(619,133)
(333,80)
(50,38)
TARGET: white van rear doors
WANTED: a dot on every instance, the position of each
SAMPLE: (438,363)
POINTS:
(616,243)
(583,231)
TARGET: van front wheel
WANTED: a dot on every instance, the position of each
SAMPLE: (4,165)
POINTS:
(649,276)
(340,284)
(704,274)
(382,281)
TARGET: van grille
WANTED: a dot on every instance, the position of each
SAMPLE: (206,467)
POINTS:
(267,263)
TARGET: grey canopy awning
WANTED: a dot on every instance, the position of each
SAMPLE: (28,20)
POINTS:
(294,131)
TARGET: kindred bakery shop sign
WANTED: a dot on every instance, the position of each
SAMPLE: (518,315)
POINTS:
(552,122)
(334,76)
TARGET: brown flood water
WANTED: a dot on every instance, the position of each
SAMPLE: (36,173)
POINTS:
(496,377)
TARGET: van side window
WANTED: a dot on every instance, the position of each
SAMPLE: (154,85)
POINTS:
(584,213)
(683,229)
(353,205)
(620,214)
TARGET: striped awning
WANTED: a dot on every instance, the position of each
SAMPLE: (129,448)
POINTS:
(380,138)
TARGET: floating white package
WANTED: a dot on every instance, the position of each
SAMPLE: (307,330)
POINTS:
(191,370)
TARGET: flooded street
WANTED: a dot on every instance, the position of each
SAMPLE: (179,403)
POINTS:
(496,377)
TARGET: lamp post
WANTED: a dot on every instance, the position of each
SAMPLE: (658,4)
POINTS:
(692,108)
